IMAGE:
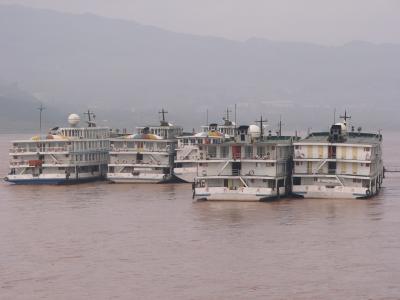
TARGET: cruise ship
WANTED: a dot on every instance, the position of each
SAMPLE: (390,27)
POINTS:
(146,156)
(341,163)
(247,167)
(190,147)
(65,155)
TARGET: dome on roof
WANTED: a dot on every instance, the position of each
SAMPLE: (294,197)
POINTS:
(342,126)
(254,131)
(73,119)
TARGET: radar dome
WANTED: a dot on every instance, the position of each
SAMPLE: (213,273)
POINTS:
(254,131)
(73,119)
(342,126)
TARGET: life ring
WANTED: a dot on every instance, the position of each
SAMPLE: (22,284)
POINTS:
(368,192)
(251,172)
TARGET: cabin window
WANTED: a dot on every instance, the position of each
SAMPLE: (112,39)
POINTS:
(296,180)
(367,165)
(249,151)
(366,149)
(212,151)
(260,151)
(297,163)
(296,147)
(224,151)
(139,157)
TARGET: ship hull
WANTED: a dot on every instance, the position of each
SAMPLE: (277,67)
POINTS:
(316,192)
(147,178)
(186,176)
(50,180)
(249,194)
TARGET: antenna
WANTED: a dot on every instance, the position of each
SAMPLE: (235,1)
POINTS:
(163,112)
(261,125)
(280,125)
(207,117)
(235,114)
(334,115)
(345,117)
(227,113)
(90,115)
(41,108)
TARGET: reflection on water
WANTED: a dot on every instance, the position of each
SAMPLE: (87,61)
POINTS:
(105,241)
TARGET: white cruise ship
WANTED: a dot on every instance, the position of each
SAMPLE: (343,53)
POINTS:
(144,157)
(247,167)
(65,155)
(190,148)
(338,164)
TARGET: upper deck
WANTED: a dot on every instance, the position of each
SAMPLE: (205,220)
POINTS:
(351,138)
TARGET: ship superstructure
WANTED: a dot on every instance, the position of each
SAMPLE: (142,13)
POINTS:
(341,163)
(146,156)
(65,155)
(190,148)
(247,167)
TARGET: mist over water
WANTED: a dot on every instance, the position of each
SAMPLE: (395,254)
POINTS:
(109,241)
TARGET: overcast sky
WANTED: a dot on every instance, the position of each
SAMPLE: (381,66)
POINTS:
(329,22)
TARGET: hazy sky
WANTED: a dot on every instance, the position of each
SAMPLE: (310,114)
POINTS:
(320,21)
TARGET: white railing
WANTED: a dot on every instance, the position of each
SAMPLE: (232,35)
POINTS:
(114,149)
(35,150)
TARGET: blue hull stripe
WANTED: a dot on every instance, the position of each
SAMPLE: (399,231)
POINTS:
(54,181)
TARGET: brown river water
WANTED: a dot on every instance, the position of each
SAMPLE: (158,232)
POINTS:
(109,241)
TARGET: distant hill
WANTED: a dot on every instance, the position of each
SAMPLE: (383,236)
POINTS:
(126,71)
(19,110)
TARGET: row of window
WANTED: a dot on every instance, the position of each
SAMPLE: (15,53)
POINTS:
(91,157)
(86,133)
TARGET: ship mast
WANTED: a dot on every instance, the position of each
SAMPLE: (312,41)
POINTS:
(41,108)
(280,125)
(261,121)
(345,117)
(163,112)
(90,115)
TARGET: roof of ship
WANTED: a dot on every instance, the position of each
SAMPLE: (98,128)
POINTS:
(351,138)
(272,140)
(210,133)
(143,136)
